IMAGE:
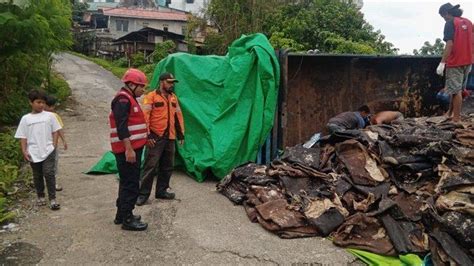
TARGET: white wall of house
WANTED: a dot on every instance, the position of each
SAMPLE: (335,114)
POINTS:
(118,26)
(193,6)
(99,1)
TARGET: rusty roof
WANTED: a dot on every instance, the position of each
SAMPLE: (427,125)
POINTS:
(145,14)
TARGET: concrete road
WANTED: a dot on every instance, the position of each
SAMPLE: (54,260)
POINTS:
(200,227)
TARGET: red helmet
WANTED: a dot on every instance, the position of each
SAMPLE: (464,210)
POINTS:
(135,76)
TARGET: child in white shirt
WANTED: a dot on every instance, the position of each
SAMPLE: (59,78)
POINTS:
(38,134)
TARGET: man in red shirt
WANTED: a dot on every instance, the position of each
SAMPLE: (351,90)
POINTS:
(457,56)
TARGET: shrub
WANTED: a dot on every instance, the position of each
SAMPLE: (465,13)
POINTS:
(121,62)
(13,106)
(10,160)
(10,152)
(5,214)
(8,176)
(138,59)
(58,87)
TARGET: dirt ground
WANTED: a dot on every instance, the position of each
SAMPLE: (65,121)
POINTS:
(200,227)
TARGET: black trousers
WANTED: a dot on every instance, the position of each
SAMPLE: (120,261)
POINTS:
(129,185)
(159,162)
(44,171)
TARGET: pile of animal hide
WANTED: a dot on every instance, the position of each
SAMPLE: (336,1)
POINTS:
(388,189)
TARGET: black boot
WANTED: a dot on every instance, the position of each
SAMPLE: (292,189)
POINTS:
(119,219)
(133,225)
(165,195)
(141,200)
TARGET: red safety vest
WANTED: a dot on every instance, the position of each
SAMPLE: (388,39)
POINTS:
(136,126)
(461,55)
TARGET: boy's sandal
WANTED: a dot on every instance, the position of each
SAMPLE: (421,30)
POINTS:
(41,201)
(59,188)
(55,206)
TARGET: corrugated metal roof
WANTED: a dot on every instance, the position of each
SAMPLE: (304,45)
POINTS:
(145,13)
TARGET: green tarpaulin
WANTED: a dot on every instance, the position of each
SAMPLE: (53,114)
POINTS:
(228,103)
(107,165)
(373,259)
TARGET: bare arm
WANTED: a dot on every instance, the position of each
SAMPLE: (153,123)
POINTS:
(447,51)
(24,150)
(63,138)
(55,139)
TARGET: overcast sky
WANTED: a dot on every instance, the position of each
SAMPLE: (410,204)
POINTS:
(408,24)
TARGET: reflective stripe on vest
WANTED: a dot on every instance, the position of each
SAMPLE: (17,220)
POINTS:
(130,128)
(136,127)
(136,132)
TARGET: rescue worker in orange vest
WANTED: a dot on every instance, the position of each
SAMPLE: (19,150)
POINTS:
(165,124)
(128,136)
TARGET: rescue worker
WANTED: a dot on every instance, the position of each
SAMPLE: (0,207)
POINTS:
(128,136)
(165,124)
(349,120)
(457,57)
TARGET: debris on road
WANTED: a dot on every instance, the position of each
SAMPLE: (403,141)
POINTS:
(388,189)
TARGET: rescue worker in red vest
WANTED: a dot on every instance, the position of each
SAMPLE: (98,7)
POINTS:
(165,124)
(128,136)
(457,57)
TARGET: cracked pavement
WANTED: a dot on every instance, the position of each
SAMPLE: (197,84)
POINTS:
(200,227)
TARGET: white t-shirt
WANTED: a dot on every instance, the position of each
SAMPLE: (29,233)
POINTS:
(38,130)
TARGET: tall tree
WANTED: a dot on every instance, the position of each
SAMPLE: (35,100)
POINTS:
(437,48)
(29,35)
(232,18)
(78,9)
(326,25)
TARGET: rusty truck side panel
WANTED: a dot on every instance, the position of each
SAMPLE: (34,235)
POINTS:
(314,88)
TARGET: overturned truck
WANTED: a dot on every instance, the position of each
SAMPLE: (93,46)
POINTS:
(405,188)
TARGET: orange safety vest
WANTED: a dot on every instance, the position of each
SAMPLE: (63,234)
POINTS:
(136,126)
(163,115)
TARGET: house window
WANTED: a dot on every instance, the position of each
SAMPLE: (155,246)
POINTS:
(151,37)
(110,1)
(184,30)
(121,25)
(145,24)
(190,1)
(165,27)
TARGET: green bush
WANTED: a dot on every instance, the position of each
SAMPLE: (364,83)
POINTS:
(11,151)
(121,62)
(163,49)
(8,177)
(13,106)
(10,160)
(138,59)
(29,35)
(148,69)
(5,214)
(58,87)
